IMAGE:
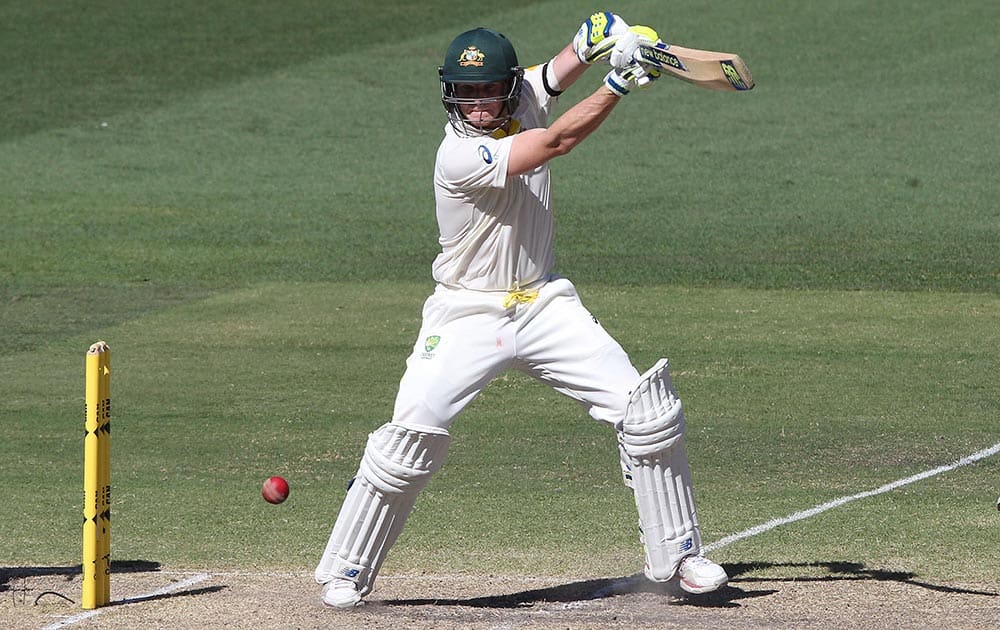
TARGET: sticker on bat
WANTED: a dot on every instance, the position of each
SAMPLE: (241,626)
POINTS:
(658,55)
(733,75)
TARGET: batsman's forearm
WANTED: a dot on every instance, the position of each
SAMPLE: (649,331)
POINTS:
(535,147)
(566,68)
(581,120)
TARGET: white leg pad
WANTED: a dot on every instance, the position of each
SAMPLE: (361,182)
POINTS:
(397,464)
(655,466)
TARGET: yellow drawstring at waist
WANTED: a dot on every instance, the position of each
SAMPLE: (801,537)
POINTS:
(520,296)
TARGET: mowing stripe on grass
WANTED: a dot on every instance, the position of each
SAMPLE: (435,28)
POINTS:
(798,516)
(166,590)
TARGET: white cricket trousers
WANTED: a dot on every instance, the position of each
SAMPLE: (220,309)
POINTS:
(468,338)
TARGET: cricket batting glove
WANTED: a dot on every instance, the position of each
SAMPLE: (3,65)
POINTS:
(635,75)
(623,52)
(597,36)
(627,73)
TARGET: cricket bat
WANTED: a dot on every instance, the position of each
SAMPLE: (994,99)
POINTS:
(704,68)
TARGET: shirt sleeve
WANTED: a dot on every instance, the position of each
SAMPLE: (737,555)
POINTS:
(474,163)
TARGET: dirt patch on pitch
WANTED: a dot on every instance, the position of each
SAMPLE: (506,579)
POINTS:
(49,597)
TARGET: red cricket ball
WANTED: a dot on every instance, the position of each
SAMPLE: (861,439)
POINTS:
(275,490)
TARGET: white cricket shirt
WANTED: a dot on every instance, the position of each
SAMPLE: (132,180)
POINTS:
(496,233)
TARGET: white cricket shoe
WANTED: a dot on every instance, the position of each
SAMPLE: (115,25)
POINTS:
(698,574)
(341,593)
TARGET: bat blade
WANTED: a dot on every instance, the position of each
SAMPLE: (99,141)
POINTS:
(704,68)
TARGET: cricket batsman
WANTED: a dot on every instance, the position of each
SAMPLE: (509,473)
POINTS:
(498,305)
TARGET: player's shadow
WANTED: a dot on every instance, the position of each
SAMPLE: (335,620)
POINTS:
(14,579)
(587,590)
(842,570)
(725,597)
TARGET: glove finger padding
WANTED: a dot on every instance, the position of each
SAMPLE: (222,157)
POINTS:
(623,52)
(628,72)
(621,82)
(597,36)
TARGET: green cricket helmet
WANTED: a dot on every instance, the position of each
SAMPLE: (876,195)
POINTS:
(481,55)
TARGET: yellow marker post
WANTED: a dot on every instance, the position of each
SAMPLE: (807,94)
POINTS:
(97,479)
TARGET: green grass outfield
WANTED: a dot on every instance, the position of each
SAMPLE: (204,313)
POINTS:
(237,197)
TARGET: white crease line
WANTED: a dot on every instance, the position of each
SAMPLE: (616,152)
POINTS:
(798,516)
(166,590)
(74,619)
